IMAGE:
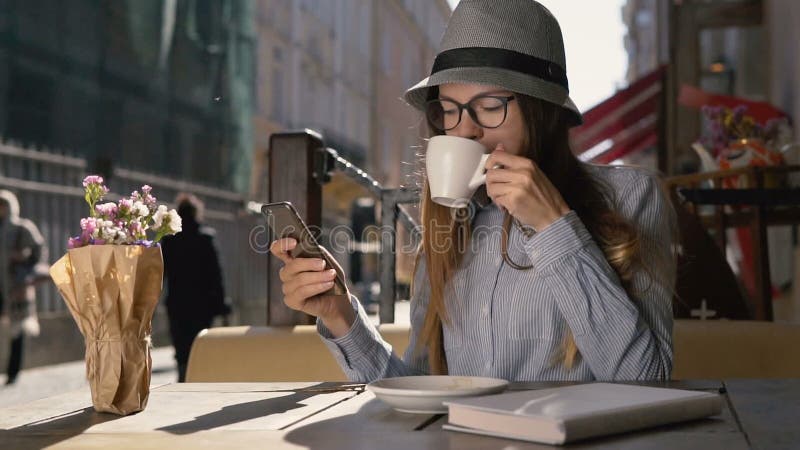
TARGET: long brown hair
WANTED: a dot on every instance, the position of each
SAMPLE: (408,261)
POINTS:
(592,200)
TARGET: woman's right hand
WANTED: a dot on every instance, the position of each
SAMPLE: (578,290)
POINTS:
(304,279)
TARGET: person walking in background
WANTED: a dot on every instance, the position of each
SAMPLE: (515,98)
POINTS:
(195,292)
(21,252)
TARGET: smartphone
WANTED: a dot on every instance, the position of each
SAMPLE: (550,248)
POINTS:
(284,221)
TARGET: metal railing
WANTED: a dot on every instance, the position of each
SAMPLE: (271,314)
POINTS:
(299,165)
(390,199)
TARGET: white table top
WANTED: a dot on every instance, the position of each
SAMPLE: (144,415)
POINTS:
(336,416)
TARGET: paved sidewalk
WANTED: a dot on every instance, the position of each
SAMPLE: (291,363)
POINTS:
(46,381)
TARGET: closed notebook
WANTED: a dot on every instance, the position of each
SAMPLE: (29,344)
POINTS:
(565,414)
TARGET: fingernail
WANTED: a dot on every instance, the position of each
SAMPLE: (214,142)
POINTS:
(321,264)
(332,272)
(291,242)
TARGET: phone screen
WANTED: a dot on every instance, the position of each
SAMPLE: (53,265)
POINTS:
(284,221)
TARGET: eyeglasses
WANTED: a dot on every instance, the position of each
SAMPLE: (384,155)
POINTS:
(488,111)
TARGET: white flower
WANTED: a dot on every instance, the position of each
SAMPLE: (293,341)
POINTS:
(174,222)
(140,209)
(158,217)
(121,236)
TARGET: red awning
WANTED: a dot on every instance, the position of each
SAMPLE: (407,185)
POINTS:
(761,112)
(625,123)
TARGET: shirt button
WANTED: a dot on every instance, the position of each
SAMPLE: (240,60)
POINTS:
(485,310)
(488,365)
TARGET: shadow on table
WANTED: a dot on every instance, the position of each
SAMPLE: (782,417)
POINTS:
(53,430)
(375,423)
(698,435)
(242,412)
(372,425)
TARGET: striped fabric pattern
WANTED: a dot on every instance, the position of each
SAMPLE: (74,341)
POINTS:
(511,324)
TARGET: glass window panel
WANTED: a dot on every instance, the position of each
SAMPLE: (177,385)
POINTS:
(733,61)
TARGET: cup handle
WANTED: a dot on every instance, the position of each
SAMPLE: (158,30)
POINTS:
(479,177)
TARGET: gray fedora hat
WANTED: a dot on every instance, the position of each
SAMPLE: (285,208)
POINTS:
(514,44)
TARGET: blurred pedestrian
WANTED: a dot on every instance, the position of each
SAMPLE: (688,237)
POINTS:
(195,292)
(21,252)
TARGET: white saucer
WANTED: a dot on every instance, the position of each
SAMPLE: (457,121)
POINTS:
(425,394)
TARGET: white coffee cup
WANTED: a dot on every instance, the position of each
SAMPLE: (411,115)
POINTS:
(455,169)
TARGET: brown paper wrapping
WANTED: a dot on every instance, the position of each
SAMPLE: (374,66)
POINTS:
(112,292)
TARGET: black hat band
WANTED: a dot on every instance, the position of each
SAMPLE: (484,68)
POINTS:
(502,59)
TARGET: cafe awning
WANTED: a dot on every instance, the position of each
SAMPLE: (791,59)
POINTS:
(625,123)
(761,112)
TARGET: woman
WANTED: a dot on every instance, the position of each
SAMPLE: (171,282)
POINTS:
(195,288)
(565,271)
(23,264)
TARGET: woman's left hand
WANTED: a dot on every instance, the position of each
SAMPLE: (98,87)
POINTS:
(519,186)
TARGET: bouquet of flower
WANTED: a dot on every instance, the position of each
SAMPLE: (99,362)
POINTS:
(125,222)
(724,126)
(111,281)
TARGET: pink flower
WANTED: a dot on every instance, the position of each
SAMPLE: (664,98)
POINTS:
(136,229)
(89,225)
(107,210)
(150,201)
(124,207)
(92,179)
(145,197)
(76,242)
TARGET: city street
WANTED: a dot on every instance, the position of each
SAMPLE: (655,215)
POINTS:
(46,381)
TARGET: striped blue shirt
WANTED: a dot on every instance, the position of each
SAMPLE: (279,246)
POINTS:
(510,324)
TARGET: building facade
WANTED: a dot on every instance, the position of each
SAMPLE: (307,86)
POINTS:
(147,85)
(340,67)
(407,34)
(647,38)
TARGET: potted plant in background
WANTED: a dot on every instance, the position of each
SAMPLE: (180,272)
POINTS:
(111,280)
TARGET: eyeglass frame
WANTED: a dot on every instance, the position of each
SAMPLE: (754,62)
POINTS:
(472,114)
